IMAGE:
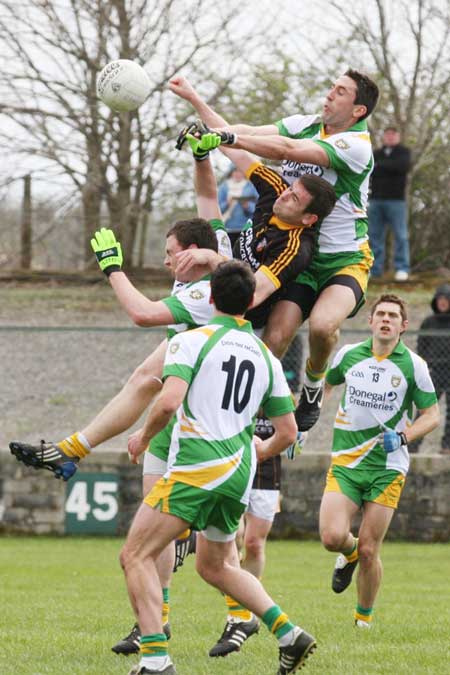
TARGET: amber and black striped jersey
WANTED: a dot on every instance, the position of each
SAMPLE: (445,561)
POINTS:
(268,473)
(279,250)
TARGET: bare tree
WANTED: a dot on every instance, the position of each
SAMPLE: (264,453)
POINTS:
(53,52)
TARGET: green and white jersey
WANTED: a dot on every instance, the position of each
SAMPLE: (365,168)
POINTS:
(378,392)
(189,305)
(189,302)
(351,163)
(231,374)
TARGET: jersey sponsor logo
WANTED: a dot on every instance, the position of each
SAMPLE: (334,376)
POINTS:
(341,144)
(174,347)
(245,249)
(357,373)
(297,169)
(196,294)
(379,369)
(371,399)
(396,380)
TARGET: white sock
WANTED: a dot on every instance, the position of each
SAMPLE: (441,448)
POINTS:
(155,662)
(289,638)
(84,441)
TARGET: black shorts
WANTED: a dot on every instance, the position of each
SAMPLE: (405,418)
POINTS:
(305,296)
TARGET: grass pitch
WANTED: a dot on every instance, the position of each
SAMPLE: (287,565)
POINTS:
(64,605)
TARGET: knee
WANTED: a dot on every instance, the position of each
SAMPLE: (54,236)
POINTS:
(323,329)
(209,572)
(254,547)
(367,553)
(332,539)
(125,558)
(144,378)
(278,338)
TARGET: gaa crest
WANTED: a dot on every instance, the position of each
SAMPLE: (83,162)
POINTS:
(395,380)
(196,294)
(341,144)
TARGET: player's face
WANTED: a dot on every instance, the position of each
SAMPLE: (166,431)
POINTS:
(339,107)
(387,323)
(292,204)
(173,247)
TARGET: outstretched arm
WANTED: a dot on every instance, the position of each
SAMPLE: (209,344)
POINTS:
(280,147)
(183,88)
(206,191)
(141,310)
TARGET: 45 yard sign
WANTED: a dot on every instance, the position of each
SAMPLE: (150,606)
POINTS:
(92,504)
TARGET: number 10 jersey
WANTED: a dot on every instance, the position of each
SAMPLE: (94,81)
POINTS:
(231,374)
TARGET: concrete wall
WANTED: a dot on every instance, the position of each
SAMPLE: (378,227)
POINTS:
(32,502)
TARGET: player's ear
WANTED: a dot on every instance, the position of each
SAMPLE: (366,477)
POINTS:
(192,246)
(309,219)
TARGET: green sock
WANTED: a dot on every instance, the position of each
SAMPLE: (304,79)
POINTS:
(153,645)
(277,621)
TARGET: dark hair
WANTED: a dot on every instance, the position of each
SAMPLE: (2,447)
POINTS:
(232,287)
(366,91)
(391,128)
(194,231)
(390,297)
(323,196)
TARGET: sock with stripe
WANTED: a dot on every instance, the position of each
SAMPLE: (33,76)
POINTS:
(153,652)
(166,606)
(237,611)
(76,445)
(363,614)
(314,378)
(279,624)
(352,553)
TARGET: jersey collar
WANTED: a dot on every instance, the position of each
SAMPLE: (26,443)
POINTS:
(399,348)
(358,126)
(233,322)
(282,225)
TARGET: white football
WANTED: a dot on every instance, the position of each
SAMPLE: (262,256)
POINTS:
(123,85)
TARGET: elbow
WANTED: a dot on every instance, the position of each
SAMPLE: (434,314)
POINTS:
(141,319)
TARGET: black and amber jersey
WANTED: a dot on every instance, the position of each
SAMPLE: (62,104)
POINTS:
(279,250)
(268,473)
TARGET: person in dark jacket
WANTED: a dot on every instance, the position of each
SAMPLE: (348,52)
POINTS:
(435,349)
(387,204)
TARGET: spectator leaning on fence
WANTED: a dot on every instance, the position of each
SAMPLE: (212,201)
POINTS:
(435,349)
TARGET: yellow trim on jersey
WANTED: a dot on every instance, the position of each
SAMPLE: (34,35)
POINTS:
(201,477)
(252,168)
(288,254)
(364,137)
(273,178)
(266,271)
(349,456)
(284,226)
(204,329)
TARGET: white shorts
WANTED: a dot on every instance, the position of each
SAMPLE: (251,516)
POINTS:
(214,534)
(153,465)
(264,504)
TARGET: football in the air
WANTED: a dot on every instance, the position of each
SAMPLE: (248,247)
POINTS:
(123,85)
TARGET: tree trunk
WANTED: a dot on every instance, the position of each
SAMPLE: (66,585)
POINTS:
(25,234)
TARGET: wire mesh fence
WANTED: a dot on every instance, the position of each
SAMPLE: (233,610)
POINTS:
(56,379)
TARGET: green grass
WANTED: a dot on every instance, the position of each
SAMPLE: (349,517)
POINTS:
(63,604)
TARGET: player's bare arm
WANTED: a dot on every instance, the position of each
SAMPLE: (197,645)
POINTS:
(141,310)
(427,420)
(285,434)
(280,148)
(180,86)
(169,400)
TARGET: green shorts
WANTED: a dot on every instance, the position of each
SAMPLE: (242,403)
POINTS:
(160,444)
(200,508)
(349,269)
(382,486)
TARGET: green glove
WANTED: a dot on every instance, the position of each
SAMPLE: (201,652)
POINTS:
(201,146)
(108,251)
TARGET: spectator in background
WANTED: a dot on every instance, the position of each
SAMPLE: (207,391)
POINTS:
(435,349)
(237,200)
(387,204)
